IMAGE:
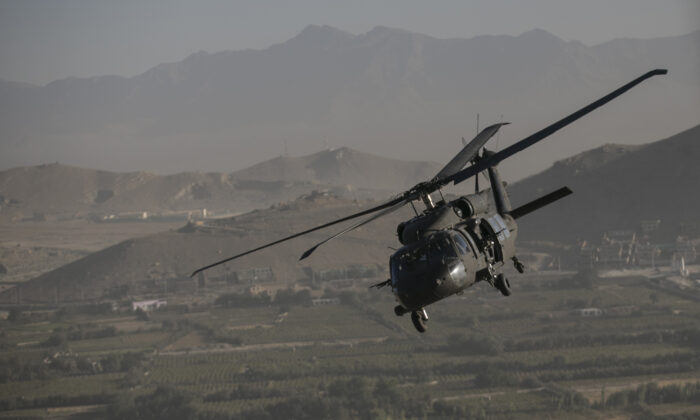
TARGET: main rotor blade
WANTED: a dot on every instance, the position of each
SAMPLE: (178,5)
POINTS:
(534,138)
(469,151)
(540,202)
(353,227)
(388,204)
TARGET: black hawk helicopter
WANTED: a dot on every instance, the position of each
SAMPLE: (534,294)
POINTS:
(452,245)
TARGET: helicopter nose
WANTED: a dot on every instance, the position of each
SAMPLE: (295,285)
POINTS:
(458,273)
(416,291)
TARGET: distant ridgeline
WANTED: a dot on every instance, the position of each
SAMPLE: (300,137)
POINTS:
(60,192)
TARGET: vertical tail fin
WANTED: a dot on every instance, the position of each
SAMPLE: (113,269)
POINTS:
(500,196)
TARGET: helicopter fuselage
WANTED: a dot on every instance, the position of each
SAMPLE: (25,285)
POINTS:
(445,253)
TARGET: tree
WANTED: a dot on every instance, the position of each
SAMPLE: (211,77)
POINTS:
(14,315)
(163,403)
(491,378)
(142,315)
(476,344)
(290,297)
(56,340)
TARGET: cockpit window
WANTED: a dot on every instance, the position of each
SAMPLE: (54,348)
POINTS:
(461,244)
(429,258)
(438,250)
(468,237)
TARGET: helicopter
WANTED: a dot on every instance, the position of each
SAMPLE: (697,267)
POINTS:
(450,246)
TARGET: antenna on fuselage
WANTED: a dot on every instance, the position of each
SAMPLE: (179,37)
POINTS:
(476,178)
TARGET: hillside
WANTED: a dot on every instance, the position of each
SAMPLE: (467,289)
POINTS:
(388,92)
(615,187)
(175,254)
(343,166)
(68,191)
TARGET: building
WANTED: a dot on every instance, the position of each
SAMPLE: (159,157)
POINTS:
(325,301)
(257,289)
(589,312)
(649,226)
(255,274)
(148,305)
(685,250)
(625,310)
(616,248)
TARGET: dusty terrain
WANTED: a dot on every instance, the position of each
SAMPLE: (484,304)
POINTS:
(29,249)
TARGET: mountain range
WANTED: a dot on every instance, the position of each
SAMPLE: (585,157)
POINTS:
(388,92)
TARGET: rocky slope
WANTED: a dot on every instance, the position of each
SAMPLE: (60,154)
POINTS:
(616,187)
(66,191)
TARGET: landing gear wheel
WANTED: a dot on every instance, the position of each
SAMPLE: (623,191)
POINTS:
(419,321)
(502,284)
(400,310)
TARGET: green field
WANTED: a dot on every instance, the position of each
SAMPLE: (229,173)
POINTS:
(484,356)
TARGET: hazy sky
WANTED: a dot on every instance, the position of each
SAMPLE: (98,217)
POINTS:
(42,41)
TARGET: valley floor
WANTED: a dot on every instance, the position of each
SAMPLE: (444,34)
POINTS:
(484,356)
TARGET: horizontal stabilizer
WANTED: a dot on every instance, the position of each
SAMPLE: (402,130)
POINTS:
(540,202)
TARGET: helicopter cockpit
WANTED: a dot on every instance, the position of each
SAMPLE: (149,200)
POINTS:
(428,266)
(429,254)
